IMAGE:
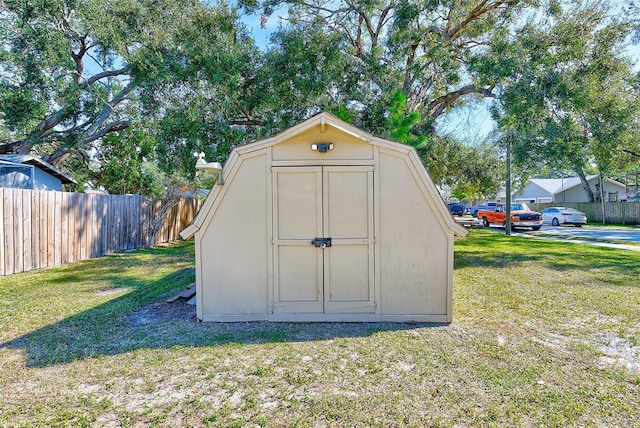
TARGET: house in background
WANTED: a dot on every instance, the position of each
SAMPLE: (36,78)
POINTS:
(561,190)
(30,172)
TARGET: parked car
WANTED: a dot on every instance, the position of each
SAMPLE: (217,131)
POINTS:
(563,215)
(456,208)
(521,216)
(474,209)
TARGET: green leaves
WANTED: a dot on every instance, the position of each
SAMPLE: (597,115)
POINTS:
(400,122)
(127,165)
(20,106)
(73,72)
(570,94)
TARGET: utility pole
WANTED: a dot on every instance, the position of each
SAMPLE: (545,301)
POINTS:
(507,223)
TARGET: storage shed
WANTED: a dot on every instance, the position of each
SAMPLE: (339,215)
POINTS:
(324,222)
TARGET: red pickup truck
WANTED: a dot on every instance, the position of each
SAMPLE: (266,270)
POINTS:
(521,216)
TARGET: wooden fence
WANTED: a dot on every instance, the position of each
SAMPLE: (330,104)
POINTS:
(42,228)
(615,212)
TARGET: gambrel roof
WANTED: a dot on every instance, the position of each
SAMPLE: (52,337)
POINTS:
(322,121)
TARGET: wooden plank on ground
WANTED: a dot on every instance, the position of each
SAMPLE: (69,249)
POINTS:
(185,294)
(189,292)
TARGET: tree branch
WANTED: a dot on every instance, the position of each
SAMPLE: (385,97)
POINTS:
(246,122)
(112,127)
(62,153)
(108,109)
(439,105)
(108,73)
(632,153)
(477,12)
(9,147)
(25,145)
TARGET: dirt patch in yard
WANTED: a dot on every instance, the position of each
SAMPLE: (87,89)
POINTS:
(618,352)
(160,313)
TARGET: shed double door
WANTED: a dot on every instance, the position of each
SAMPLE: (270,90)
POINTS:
(312,273)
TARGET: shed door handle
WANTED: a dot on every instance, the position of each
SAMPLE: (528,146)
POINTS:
(321,242)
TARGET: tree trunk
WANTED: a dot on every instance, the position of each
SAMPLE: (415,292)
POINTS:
(602,203)
(585,185)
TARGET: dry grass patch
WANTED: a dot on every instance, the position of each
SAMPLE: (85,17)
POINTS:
(545,334)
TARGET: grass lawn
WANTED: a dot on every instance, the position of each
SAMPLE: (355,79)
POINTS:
(544,334)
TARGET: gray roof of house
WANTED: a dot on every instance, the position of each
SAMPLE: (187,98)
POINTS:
(557,185)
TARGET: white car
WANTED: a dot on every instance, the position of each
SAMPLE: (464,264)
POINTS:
(563,215)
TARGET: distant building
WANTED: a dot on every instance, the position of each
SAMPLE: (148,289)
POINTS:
(30,172)
(560,190)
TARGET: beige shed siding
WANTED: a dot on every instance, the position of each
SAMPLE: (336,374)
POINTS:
(346,146)
(391,257)
(414,246)
(233,246)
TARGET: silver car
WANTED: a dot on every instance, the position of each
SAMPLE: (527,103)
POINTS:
(563,215)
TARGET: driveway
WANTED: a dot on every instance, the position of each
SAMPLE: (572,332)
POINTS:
(606,236)
(595,232)
(614,237)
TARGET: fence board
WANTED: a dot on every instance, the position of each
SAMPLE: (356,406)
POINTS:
(615,212)
(44,228)
(51,227)
(35,230)
(9,259)
(105,225)
(19,230)
(27,260)
(2,226)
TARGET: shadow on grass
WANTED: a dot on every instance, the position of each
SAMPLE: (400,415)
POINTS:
(141,319)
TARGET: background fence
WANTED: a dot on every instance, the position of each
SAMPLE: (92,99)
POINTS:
(43,228)
(615,212)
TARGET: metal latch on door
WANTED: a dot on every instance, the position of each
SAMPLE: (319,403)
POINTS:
(322,242)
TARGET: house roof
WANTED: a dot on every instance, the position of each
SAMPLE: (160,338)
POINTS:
(324,120)
(37,162)
(558,185)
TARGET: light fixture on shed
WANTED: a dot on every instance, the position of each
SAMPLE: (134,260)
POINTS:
(213,167)
(322,147)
